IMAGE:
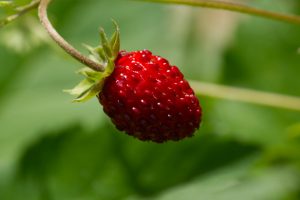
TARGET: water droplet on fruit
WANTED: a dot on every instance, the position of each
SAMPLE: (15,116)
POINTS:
(143,101)
(135,110)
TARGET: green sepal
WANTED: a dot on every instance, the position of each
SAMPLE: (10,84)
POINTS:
(105,43)
(101,53)
(93,54)
(105,54)
(90,74)
(115,41)
(89,87)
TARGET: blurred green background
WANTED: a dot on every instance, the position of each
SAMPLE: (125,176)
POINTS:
(52,149)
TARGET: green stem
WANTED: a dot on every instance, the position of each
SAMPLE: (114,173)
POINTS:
(4,4)
(204,89)
(233,7)
(246,95)
(20,11)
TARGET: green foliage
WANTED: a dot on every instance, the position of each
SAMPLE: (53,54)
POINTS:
(51,149)
(105,55)
(4,4)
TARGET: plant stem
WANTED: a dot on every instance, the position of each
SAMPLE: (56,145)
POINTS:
(204,89)
(4,4)
(234,7)
(21,11)
(246,95)
(61,41)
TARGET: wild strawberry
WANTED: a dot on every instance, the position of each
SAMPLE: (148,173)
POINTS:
(142,93)
(148,98)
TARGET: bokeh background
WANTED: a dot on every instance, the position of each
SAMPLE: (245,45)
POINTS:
(52,149)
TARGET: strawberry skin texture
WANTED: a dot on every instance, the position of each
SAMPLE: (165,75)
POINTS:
(149,99)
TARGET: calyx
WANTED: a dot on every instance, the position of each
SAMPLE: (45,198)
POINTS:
(105,55)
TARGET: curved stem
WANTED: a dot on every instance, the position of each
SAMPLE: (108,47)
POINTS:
(203,89)
(60,40)
(246,95)
(234,7)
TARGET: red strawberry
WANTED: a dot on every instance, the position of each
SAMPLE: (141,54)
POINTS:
(142,93)
(149,99)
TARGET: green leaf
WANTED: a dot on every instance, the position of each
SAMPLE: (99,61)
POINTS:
(44,167)
(26,35)
(234,183)
(106,163)
(53,149)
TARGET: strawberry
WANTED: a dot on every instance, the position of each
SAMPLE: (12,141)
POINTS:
(142,93)
(148,98)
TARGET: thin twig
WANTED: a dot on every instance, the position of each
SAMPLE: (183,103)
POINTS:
(246,95)
(61,41)
(4,4)
(20,12)
(294,19)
